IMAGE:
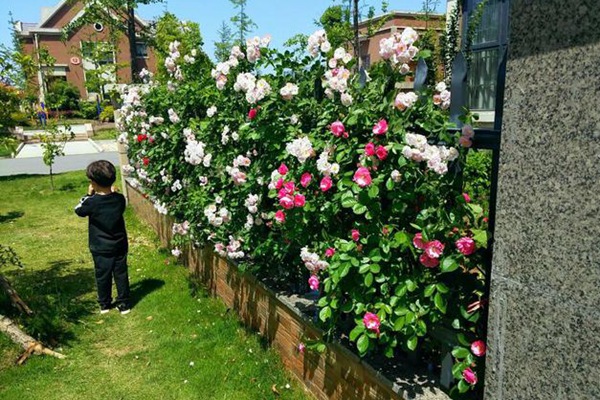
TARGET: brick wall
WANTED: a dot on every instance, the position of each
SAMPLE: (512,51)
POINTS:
(336,374)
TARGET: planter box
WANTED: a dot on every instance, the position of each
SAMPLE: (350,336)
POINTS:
(335,374)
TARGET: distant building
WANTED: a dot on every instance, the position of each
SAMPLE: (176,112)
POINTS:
(395,21)
(74,56)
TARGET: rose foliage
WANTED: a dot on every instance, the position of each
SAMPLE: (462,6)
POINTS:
(309,173)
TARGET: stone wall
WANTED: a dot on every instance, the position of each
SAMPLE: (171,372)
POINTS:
(544,324)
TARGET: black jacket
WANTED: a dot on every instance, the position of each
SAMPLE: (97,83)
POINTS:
(107,235)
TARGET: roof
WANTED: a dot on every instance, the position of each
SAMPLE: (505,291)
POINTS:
(400,14)
(47,13)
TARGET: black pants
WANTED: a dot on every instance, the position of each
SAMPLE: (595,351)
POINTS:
(107,268)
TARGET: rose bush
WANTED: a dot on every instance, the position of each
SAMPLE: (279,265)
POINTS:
(310,174)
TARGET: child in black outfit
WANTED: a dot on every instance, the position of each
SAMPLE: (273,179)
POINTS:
(107,235)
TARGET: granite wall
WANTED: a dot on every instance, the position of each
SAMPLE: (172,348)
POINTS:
(544,325)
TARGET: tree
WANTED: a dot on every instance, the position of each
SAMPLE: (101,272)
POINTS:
(336,22)
(169,29)
(118,16)
(430,42)
(53,145)
(242,21)
(225,43)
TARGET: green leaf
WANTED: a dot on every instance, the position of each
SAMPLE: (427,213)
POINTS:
(449,264)
(375,268)
(440,302)
(442,288)
(429,290)
(345,268)
(363,343)
(480,237)
(359,208)
(476,209)
(358,329)
(373,191)
(412,343)
(463,386)
(411,285)
(460,353)
(399,323)
(364,269)
(325,313)
(368,279)
(389,184)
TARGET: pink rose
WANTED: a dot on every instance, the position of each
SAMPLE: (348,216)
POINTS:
(313,282)
(141,137)
(355,235)
(478,348)
(469,376)
(280,216)
(467,131)
(466,197)
(434,249)
(301,348)
(146,161)
(381,127)
(362,177)
(337,128)
(329,252)
(305,179)
(299,200)
(371,322)
(325,184)
(466,246)
(437,99)
(418,241)
(252,113)
(381,153)
(287,202)
(282,193)
(279,183)
(465,141)
(428,261)
(290,187)
(370,149)
(283,169)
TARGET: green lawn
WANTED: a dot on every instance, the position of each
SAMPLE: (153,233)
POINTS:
(177,343)
(106,134)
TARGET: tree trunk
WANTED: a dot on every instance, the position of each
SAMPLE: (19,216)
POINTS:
(15,299)
(29,344)
(131,37)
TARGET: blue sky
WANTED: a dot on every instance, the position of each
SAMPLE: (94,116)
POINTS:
(281,19)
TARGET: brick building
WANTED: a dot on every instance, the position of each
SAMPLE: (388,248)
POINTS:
(396,21)
(74,59)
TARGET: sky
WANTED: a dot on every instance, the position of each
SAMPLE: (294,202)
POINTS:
(281,19)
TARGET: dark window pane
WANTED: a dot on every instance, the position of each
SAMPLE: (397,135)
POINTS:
(488,30)
(483,76)
(141,49)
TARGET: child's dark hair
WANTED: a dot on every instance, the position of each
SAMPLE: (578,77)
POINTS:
(102,172)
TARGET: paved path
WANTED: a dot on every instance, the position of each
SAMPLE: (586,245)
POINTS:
(35,165)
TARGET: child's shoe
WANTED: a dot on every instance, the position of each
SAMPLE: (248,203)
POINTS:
(123,308)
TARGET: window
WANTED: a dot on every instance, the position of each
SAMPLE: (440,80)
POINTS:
(98,27)
(489,42)
(100,53)
(141,50)
(365,61)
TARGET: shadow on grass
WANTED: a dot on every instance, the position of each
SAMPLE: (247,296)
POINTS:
(68,187)
(11,216)
(142,288)
(58,296)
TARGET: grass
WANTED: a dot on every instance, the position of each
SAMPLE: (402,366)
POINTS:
(106,134)
(147,354)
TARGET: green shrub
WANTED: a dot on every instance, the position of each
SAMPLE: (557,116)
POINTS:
(62,96)
(88,110)
(108,114)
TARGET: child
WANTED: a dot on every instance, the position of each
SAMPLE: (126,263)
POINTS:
(107,235)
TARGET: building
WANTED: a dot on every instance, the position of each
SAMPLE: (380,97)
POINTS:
(387,24)
(86,50)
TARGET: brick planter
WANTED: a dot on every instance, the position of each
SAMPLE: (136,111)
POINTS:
(335,374)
